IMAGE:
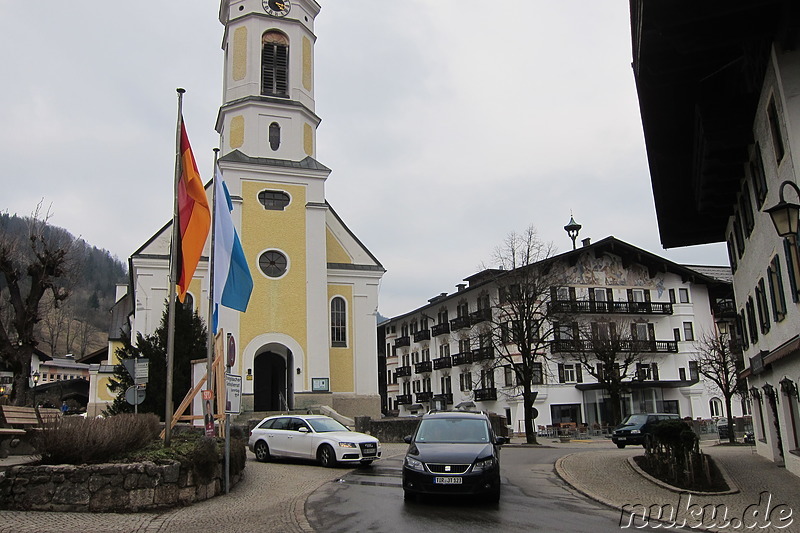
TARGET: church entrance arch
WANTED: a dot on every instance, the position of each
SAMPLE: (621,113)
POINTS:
(273,384)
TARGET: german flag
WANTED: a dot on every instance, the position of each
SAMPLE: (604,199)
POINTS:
(194,216)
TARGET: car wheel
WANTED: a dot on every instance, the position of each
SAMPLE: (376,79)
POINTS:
(262,451)
(326,456)
(494,496)
(620,445)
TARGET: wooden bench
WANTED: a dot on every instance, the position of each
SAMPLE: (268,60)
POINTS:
(17,422)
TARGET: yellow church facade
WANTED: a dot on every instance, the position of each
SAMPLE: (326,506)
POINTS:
(308,336)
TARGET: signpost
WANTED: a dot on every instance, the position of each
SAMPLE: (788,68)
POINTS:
(139,370)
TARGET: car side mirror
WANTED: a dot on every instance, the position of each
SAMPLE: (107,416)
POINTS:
(501,440)
(303,429)
(407,439)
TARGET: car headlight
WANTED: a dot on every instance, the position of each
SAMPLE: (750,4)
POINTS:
(413,464)
(483,465)
(348,445)
(635,432)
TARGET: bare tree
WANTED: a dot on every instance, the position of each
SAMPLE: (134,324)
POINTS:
(517,326)
(718,362)
(610,351)
(29,270)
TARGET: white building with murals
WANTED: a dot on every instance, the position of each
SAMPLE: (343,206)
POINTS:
(434,361)
(308,335)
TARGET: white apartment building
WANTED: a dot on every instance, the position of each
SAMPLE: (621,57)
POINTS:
(719,92)
(433,359)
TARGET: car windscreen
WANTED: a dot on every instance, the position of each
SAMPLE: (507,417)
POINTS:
(457,430)
(324,425)
(635,420)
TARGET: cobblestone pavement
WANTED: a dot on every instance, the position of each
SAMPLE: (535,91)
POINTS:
(270,498)
(764,490)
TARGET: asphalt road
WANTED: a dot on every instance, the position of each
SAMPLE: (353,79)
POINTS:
(533,499)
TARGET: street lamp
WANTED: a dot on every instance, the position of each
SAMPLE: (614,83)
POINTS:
(786,219)
(572,229)
(786,215)
(35,377)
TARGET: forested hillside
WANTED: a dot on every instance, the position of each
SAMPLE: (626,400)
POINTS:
(79,325)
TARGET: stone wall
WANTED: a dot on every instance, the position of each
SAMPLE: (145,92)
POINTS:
(107,487)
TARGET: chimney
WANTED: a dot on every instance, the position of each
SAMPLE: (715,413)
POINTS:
(586,242)
(461,286)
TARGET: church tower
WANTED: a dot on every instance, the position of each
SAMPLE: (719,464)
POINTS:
(308,336)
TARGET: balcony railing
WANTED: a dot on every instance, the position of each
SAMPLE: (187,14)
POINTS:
(481,315)
(460,322)
(631,346)
(403,399)
(422,335)
(440,329)
(422,366)
(442,362)
(424,396)
(481,354)
(402,371)
(447,397)
(623,308)
(462,358)
(482,395)
(402,341)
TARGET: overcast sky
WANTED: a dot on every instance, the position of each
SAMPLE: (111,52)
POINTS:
(447,124)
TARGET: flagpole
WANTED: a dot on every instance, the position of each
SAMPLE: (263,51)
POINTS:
(173,261)
(211,332)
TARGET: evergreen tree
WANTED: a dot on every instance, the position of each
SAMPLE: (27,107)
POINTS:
(190,343)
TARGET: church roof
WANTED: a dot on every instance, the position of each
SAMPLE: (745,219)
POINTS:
(309,163)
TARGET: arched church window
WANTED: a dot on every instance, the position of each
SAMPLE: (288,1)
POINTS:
(273,263)
(188,302)
(274,136)
(274,200)
(338,322)
(274,64)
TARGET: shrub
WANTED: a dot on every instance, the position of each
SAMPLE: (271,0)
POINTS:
(77,440)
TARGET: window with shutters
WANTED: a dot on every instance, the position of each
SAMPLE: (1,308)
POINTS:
(775,129)
(339,322)
(688,331)
(759,176)
(537,374)
(776,293)
(275,64)
(746,208)
(684,295)
(761,306)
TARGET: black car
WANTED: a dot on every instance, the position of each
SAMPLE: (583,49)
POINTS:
(638,428)
(453,452)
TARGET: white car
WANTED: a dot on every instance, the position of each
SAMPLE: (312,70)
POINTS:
(315,437)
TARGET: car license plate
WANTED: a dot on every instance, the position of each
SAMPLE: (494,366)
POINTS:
(370,452)
(621,438)
(448,480)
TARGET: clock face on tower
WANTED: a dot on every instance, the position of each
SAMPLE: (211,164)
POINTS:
(277,8)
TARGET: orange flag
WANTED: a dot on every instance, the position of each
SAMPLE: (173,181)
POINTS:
(194,216)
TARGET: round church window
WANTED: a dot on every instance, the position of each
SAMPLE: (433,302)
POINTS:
(272,263)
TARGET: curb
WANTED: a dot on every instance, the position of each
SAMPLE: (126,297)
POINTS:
(734,490)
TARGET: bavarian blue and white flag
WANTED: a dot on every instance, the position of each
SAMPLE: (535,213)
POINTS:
(232,280)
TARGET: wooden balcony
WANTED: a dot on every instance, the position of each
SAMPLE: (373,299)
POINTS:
(422,335)
(462,358)
(422,367)
(626,346)
(404,399)
(619,308)
(447,397)
(402,372)
(485,395)
(442,362)
(482,354)
(481,315)
(402,341)
(460,323)
(440,329)
(424,396)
